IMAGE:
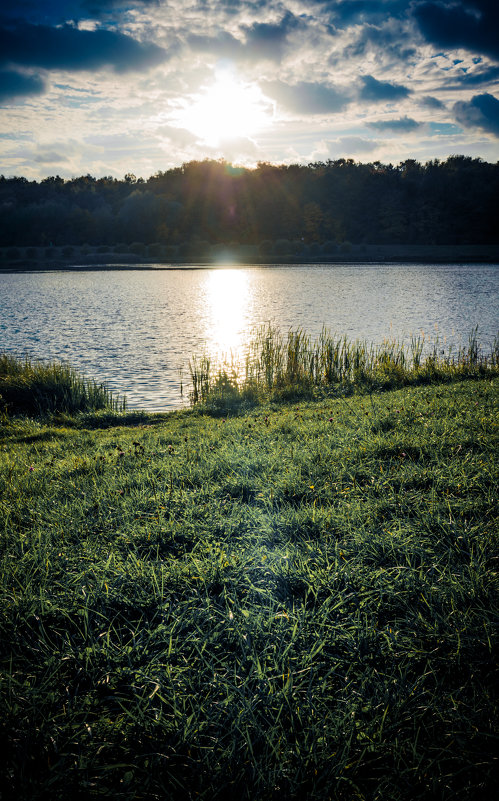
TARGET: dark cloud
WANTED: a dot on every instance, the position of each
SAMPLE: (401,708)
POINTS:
(391,39)
(266,40)
(72,49)
(431,102)
(488,75)
(16,85)
(57,11)
(472,24)
(402,125)
(378,91)
(306,98)
(262,40)
(482,111)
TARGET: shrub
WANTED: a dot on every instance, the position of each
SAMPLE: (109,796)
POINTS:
(138,248)
(283,247)
(329,247)
(170,251)
(297,246)
(156,249)
(266,248)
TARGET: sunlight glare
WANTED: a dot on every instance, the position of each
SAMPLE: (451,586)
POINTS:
(228,109)
(228,307)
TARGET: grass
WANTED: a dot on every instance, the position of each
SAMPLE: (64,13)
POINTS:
(295,602)
(44,388)
(294,366)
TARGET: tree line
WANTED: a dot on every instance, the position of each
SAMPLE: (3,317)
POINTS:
(450,202)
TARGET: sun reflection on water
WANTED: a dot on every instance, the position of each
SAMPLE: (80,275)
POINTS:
(228,309)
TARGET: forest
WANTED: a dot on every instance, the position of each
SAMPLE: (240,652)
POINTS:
(206,203)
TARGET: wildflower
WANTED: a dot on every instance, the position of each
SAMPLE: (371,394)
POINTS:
(330,419)
(31,468)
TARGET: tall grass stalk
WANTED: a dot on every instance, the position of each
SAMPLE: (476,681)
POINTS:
(43,388)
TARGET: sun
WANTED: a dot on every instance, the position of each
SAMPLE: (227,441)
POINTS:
(227,109)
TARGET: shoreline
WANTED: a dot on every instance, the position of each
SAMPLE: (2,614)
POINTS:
(233,257)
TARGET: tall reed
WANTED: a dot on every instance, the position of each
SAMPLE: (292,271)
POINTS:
(278,365)
(35,387)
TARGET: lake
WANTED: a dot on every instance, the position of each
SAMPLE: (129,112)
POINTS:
(136,329)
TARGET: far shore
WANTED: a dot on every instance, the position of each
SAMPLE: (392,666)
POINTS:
(20,259)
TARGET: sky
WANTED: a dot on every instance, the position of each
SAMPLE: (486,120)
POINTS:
(110,87)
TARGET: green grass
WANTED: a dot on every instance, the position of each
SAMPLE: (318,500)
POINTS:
(45,388)
(296,602)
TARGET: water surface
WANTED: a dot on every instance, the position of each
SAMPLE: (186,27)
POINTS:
(135,329)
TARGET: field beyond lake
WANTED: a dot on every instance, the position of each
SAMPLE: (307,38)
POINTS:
(299,601)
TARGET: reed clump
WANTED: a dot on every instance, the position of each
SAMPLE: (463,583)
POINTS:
(32,387)
(290,366)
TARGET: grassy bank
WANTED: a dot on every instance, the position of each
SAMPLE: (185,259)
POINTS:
(297,602)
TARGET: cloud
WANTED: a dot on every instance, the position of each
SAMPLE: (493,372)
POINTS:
(431,102)
(350,12)
(389,41)
(14,85)
(223,44)
(472,24)
(488,75)
(402,125)
(180,137)
(482,111)
(69,48)
(379,91)
(235,6)
(50,157)
(306,98)
(351,145)
(266,40)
